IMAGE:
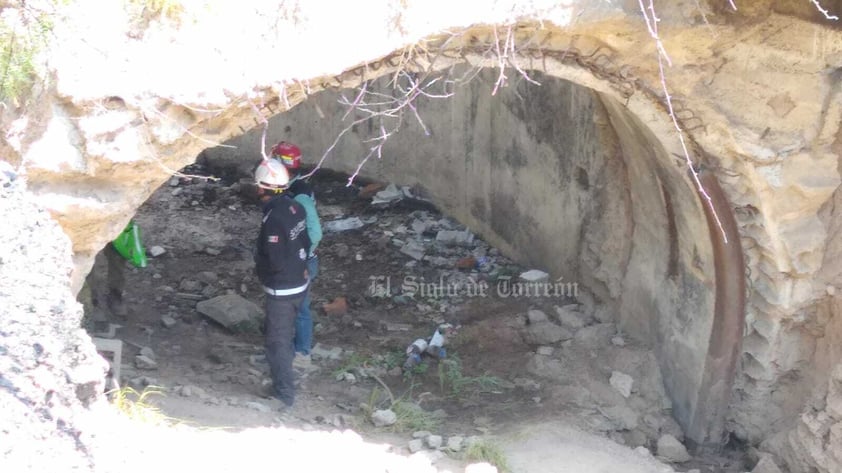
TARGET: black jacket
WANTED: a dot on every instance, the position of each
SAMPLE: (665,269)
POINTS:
(281,256)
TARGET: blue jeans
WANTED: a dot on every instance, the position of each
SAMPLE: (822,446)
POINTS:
(304,319)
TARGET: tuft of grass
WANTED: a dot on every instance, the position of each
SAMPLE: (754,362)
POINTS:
(136,407)
(485,451)
(451,379)
(411,418)
(23,34)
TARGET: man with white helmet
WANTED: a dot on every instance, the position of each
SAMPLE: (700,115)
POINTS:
(281,262)
(290,156)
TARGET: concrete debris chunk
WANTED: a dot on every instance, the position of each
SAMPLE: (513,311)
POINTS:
(766,465)
(344,224)
(454,443)
(388,195)
(421,434)
(414,250)
(570,317)
(535,316)
(454,237)
(415,445)
(434,441)
(326,353)
(232,312)
(168,321)
(671,450)
(622,383)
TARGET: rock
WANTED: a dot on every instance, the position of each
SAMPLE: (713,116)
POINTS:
(212,251)
(156,251)
(434,441)
(388,195)
(622,383)
(671,450)
(145,363)
(618,341)
(535,275)
(766,465)
(415,445)
(342,225)
(321,352)
(414,250)
(454,237)
(421,434)
(545,333)
(643,451)
(454,443)
(546,367)
(337,308)
(624,418)
(545,351)
(147,352)
(596,335)
(569,317)
(259,407)
(349,377)
(207,277)
(481,468)
(190,285)
(384,417)
(535,316)
(168,321)
(232,312)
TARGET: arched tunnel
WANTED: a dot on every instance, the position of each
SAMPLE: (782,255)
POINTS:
(573,164)
(568,180)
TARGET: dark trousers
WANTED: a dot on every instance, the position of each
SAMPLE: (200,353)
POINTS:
(279,330)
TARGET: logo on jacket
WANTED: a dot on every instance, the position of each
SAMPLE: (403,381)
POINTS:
(297,229)
(302,254)
(292,209)
(273,238)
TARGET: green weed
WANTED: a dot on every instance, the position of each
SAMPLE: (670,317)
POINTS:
(485,451)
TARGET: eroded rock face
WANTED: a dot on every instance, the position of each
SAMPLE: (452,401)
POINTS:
(758,96)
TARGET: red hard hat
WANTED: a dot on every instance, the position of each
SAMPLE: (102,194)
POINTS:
(288,154)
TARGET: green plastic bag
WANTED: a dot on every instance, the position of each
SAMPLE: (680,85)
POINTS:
(128,245)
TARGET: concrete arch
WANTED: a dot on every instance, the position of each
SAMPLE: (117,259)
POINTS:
(98,140)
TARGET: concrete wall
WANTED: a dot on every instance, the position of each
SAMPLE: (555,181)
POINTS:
(559,178)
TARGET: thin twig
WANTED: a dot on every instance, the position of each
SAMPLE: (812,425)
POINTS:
(824,11)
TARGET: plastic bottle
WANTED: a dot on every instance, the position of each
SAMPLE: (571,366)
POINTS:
(413,353)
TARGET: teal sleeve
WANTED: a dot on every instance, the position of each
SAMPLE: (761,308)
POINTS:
(314,226)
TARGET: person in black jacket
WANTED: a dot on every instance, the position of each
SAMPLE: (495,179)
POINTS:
(281,263)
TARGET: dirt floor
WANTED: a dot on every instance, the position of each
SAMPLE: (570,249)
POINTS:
(543,379)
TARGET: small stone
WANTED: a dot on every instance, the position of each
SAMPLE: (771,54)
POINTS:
(321,352)
(831,290)
(570,317)
(421,434)
(185,391)
(622,383)
(212,251)
(156,251)
(434,441)
(454,444)
(147,352)
(145,363)
(349,377)
(207,277)
(535,275)
(545,351)
(168,321)
(190,285)
(453,237)
(173,182)
(258,407)
(643,451)
(416,445)
(337,308)
(383,418)
(671,450)
(535,316)
(618,341)
(545,333)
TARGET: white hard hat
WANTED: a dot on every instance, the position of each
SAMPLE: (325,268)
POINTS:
(271,174)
